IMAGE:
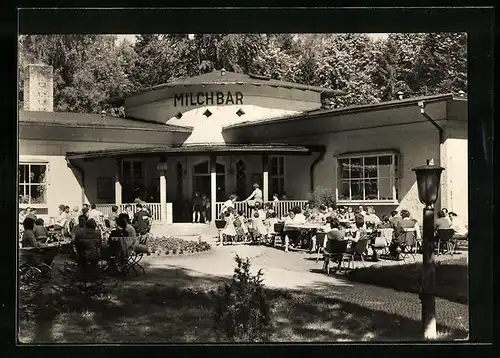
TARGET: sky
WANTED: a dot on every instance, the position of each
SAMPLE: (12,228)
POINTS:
(375,36)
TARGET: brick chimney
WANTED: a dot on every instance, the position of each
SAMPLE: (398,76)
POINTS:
(38,88)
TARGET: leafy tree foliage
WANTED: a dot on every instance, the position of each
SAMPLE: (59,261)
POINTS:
(88,69)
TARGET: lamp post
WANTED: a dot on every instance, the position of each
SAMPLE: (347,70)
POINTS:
(428,180)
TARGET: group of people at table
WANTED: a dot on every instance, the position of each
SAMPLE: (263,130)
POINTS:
(88,233)
(301,226)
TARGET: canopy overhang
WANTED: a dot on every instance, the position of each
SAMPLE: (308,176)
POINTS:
(199,149)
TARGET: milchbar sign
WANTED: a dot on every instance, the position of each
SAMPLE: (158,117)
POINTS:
(207,98)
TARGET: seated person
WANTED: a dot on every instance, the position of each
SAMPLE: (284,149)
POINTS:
(327,227)
(273,219)
(350,214)
(371,219)
(115,247)
(40,231)
(458,226)
(386,223)
(88,244)
(360,233)
(299,216)
(142,220)
(335,242)
(62,219)
(406,222)
(28,239)
(442,222)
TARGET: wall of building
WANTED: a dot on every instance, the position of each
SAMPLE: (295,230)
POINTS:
(415,142)
(63,185)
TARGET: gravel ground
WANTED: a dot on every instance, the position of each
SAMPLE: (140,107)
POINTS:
(300,271)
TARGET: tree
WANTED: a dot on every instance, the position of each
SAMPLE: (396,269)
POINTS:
(88,69)
(441,65)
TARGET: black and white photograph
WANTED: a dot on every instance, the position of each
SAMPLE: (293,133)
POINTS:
(243,187)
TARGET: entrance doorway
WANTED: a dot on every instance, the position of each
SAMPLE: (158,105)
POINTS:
(201,180)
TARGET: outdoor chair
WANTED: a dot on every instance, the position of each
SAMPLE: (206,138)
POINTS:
(409,244)
(320,243)
(383,241)
(278,234)
(358,249)
(444,238)
(220,225)
(333,251)
(129,254)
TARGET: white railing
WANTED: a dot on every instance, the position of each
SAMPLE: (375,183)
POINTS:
(155,209)
(280,207)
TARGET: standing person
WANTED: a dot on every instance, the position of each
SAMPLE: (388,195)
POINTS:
(197,202)
(275,198)
(82,219)
(228,204)
(129,212)
(113,216)
(256,195)
(142,220)
(350,214)
(205,208)
(95,214)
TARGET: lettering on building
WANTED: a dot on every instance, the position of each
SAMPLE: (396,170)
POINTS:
(207,99)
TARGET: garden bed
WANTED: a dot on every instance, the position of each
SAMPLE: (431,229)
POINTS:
(176,246)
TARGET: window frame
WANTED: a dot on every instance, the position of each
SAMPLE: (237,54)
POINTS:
(395,177)
(33,205)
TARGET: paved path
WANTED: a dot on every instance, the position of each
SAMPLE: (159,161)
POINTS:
(299,271)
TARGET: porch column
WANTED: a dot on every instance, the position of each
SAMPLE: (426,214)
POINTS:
(163,193)
(118,184)
(213,186)
(265,177)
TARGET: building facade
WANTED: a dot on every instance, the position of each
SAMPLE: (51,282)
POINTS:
(220,132)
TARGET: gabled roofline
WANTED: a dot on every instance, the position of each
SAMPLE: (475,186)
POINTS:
(344,110)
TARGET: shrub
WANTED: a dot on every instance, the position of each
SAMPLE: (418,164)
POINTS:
(324,196)
(176,245)
(241,309)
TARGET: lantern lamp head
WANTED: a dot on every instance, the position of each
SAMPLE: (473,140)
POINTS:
(428,181)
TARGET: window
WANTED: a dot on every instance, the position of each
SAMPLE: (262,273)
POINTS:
(369,177)
(133,179)
(241,179)
(277,175)
(33,183)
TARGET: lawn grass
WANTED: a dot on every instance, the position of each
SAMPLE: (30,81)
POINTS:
(451,278)
(171,305)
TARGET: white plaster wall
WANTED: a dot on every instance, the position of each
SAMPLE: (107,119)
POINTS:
(63,186)
(458,176)
(209,130)
(415,142)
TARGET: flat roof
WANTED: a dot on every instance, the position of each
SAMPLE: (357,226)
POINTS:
(87,120)
(344,110)
(199,148)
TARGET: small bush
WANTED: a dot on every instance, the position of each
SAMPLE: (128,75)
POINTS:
(324,196)
(175,245)
(242,310)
